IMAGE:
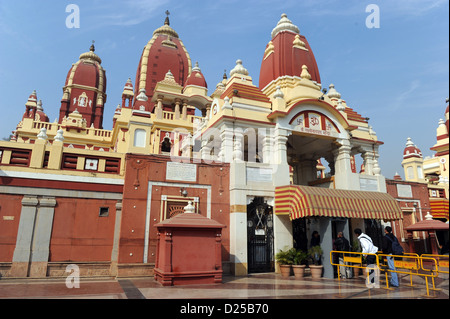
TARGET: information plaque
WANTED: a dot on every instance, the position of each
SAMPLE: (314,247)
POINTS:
(181,172)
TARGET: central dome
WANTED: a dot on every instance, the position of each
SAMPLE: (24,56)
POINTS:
(286,53)
(165,51)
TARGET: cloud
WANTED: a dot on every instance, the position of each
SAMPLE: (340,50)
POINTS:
(401,98)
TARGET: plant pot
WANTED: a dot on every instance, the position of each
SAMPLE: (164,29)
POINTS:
(285,270)
(316,271)
(299,271)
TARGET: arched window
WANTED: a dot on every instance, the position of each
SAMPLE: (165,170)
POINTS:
(419,172)
(166,144)
(140,137)
(410,172)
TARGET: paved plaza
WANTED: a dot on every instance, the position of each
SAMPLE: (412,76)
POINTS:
(255,286)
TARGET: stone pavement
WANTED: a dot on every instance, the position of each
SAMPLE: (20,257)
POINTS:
(255,286)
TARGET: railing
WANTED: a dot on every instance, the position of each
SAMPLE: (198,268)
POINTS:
(408,262)
(39,125)
(102,133)
(168,115)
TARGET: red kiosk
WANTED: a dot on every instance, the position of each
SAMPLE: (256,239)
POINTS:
(429,225)
(189,250)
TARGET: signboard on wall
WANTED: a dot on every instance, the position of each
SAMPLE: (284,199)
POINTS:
(404,190)
(368,184)
(259,174)
(181,172)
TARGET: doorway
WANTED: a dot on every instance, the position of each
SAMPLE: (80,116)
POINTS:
(260,236)
(299,234)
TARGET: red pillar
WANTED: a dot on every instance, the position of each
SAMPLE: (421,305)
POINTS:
(432,237)
(412,249)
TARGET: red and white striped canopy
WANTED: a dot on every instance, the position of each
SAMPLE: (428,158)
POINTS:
(304,201)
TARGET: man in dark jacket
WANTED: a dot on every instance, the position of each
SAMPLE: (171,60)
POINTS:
(388,239)
(342,244)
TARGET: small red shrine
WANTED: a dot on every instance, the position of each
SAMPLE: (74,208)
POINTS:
(189,250)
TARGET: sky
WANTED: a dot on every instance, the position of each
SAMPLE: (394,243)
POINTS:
(396,74)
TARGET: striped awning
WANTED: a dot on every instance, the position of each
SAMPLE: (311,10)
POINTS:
(439,208)
(303,201)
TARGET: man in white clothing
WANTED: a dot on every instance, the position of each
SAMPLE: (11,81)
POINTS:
(368,248)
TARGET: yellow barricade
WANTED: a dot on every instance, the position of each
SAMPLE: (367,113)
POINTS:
(410,262)
(406,264)
(442,261)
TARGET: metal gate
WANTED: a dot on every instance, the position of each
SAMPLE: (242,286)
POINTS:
(259,236)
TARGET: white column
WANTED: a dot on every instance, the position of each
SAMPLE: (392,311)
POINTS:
(238,146)
(282,226)
(227,144)
(238,219)
(267,145)
(344,178)
(368,162)
(279,159)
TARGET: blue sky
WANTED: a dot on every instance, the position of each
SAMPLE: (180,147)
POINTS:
(397,75)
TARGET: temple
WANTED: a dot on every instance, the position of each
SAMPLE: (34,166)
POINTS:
(272,161)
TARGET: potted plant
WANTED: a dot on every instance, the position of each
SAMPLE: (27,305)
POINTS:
(315,254)
(285,260)
(299,259)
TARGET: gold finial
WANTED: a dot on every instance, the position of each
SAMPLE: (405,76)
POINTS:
(92,48)
(167,22)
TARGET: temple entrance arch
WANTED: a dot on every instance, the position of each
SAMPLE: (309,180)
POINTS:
(310,156)
(316,135)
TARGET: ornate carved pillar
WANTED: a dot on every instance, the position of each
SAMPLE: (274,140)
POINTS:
(342,157)
(208,111)
(159,111)
(184,112)
(227,146)
(238,144)
(280,139)
(177,109)
(368,162)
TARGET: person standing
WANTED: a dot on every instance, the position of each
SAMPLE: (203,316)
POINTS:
(315,239)
(342,244)
(368,248)
(388,240)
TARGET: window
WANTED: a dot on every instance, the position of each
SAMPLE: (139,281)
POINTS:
(69,161)
(139,138)
(166,144)
(112,165)
(419,172)
(20,157)
(104,212)
(410,172)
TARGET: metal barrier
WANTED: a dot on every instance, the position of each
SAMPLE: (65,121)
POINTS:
(410,262)
(350,258)
(442,262)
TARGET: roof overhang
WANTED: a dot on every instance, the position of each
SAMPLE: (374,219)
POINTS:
(306,201)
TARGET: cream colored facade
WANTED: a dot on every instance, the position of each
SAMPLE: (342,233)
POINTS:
(432,170)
